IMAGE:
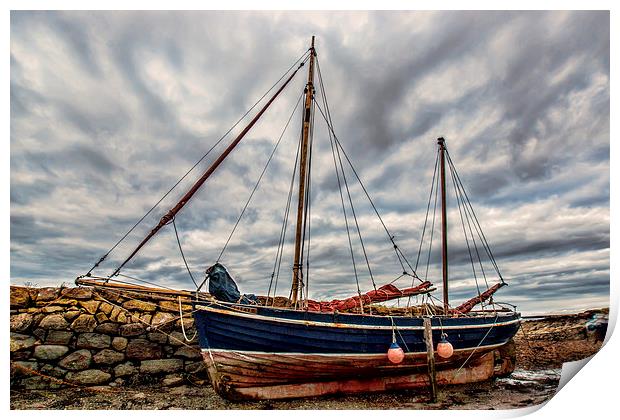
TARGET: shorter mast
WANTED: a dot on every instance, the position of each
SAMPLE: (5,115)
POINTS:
(169,216)
(444,223)
(297,269)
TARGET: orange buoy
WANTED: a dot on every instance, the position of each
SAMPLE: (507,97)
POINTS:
(444,348)
(395,354)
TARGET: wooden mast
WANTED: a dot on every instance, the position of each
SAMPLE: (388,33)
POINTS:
(297,269)
(444,223)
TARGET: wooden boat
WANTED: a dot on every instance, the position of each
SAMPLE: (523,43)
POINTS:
(255,349)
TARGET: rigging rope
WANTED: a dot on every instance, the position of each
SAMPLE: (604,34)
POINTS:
(305,54)
(176,234)
(399,254)
(247,203)
(477,223)
(280,250)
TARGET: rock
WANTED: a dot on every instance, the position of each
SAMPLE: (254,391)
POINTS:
(20,297)
(39,333)
(37,317)
(161,366)
(93,341)
(195,367)
(36,382)
(162,321)
(146,319)
(71,315)
(173,306)
(47,294)
(177,338)
(107,328)
(84,323)
(123,317)
(78,360)
(131,330)
(90,306)
(50,351)
(119,343)
(51,309)
(188,322)
(106,308)
(21,355)
(140,306)
(89,377)
(101,317)
(160,338)
(22,369)
(172,380)
(53,371)
(108,357)
(54,322)
(78,293)
(126,369)
(21,322)
(21,342)
(188,352)
(58,337)
(64,302)
(138,396)
(141,349)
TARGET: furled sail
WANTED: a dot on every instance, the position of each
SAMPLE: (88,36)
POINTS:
(382,294)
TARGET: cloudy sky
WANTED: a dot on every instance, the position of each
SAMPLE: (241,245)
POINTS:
(110,109)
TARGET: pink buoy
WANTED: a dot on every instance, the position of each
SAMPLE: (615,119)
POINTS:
(395,354)
(444,348)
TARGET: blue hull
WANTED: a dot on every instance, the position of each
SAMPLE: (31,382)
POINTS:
(261,329)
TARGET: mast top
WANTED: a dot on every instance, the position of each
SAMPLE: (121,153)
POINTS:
(441,141)
(312,46)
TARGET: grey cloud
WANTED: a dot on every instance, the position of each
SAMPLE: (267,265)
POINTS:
(109,109)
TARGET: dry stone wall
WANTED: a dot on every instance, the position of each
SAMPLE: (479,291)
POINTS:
(91,337)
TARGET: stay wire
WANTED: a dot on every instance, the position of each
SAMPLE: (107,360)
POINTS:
(247,203)
(477,223)
(328,119)
(346,222)
(305,54)
(279,252)
(176,234)
(399,253)
(471,258)
(428,208)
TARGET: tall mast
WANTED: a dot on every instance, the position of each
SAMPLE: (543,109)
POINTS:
(444,222)
(297,269)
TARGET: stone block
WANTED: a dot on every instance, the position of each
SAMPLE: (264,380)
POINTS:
(140,349)
(108,357)
(84,323)
(93,341)
(89,377)
(140,305)
(54,322)
(59,337)
(119,343)
(78,360)
(161,366)
(132,330)
(50,351)
(21,322)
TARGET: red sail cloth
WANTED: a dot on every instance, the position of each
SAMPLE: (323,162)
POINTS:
(469,305)
(383,293)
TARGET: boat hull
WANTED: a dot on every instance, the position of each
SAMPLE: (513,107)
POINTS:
(262,353)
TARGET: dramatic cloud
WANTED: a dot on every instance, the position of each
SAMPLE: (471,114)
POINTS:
(110,109)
